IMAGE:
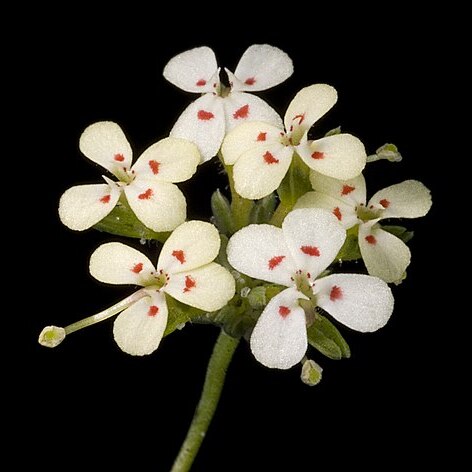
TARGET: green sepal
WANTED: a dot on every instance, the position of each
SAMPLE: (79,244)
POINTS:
(334,131)
(350,249)
(400,232)
(295,183)
(263,209)
(179,314)
(222,214)
(123,222)
(326,338)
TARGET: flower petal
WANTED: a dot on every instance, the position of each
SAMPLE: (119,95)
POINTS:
(261,67)
(168,160)
(259,171)
(161,206)
(208,288)
(279,339)
(351,191)
(341,156)
(202,123)
(117,263)
(83,206)
(260,251)
(314,237)
(361,302)
(409,199)
(191,245)
(241,107)
(308,106)
(345,213)
(385,255)
(106,144)
(245,136)
(193,70)
(138,330)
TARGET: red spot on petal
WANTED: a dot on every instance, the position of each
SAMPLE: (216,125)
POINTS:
(205,115)
(318,155)
(242,112)
(300,118)
(146,195)
(347,189)
(201,83)
(337,213)
(310,250)
(336,293)
(189,283)
(137,268)
(119,157)
(261,136)
(179,255)
(154,165)
(385,203)
(371,239)
(270,159)
(250,81)
(153,310)
(284,311)
(105,199)
(275,261)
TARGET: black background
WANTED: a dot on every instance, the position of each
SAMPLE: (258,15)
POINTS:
(89,403)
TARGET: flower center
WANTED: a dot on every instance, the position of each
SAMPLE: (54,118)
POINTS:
(157,280)
(125,175)
(304,283)
(366,214)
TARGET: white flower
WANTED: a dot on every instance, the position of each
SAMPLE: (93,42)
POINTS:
(185,271)
(206,120)
(148,184)
(385,255)
(294,256)
(262,153)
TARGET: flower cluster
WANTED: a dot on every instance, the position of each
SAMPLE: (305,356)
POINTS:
(277,275)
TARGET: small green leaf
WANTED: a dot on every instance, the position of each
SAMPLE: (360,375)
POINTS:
(326,346)
(311,373)
(221,209)
(179,314)
(263,209)
(400,232)
(350,250)
(123,222)
(334,131)
(330,331)
(296,183)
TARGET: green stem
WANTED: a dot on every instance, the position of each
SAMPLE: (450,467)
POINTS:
(240,207)
(214,380)
(280,214)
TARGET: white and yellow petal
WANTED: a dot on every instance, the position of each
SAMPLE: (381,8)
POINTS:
(160,206)
(191,245)
(279,339)
(208,288)
(138,330)
(242,107)
(345,213)
(409,199)
(261,252)
(203,123)
(83,206)
(106,144)
(261,67)
(117,263)
(361,302)
(194,70)
(351,191)
(261,169)
(307,107)
(245,137)
(168,160)
(314,237)
(341,156)
(384,255)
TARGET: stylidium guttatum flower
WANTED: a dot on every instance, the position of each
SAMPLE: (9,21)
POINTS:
(295,256)
(384,254)
(262,153)
(219,109)
(185,271)
(147,185)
